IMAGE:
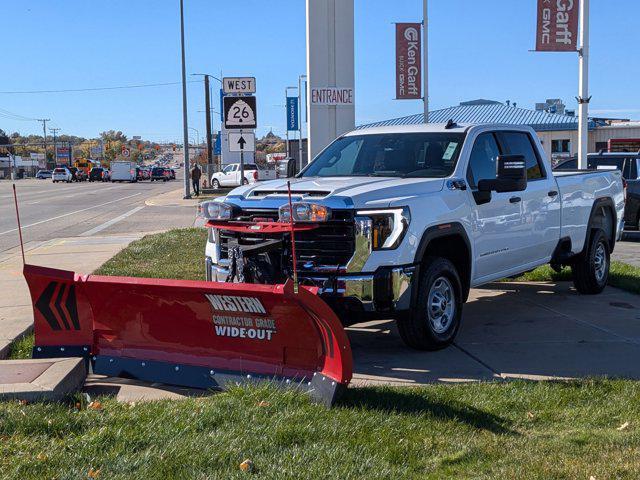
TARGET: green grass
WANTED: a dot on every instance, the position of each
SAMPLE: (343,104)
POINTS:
(174,254)
(621,275)
(488,430)
(496,430)
(21,348)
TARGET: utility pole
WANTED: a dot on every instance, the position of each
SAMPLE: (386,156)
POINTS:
(584,98)
(185,133)
(207,115)
(425,64)
(55,151)
(44,132)
(300,77)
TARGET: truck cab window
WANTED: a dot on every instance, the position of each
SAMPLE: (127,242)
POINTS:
(482,164)
(519,143)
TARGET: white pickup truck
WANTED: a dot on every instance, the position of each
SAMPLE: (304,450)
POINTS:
(404,220)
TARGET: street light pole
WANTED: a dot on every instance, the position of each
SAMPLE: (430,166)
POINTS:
(583,99)
(425,60)
(185,136)
(55,151)
(300,77)
(207,109)
(44,134)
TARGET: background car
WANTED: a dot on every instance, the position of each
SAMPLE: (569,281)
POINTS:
(230,176)
(96,174)
(62,174)
(42,174)
(172,174)
(81,175)
(159,174)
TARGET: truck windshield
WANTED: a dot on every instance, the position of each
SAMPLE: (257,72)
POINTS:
(431,155)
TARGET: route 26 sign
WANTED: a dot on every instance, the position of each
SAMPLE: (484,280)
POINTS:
(240,112)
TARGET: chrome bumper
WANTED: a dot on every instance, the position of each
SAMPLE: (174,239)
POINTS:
(386,289)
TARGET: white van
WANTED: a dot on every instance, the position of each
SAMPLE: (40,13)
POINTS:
(123,172)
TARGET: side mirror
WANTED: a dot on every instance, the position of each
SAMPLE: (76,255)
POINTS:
(511,175)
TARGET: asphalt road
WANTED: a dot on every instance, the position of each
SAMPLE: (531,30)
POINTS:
(49,210)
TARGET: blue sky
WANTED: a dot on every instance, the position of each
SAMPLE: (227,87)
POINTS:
(478,49)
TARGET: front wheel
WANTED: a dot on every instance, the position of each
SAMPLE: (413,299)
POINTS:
(591,268)
(245,182)
(215,184)
(435,318)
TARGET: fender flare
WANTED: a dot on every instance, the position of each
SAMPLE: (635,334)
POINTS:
(439,231)
(607,203)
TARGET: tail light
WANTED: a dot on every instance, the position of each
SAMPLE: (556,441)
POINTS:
(255,175)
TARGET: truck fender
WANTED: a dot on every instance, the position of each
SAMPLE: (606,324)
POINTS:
(462,261)
(596,220)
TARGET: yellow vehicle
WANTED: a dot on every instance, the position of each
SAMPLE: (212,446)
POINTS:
(84,165)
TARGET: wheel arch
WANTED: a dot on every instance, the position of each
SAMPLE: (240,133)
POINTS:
(450,241)
(603,215)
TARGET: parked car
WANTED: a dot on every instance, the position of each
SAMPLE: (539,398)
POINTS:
(159,174)
(142,174)
(42,174)
(405,220)
(61,174)
(123,172)
(230,176)
(629,165)
(567,164)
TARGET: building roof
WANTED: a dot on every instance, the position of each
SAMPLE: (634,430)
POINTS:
(488,111)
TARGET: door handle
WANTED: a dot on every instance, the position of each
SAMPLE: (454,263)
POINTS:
(553,193)
(514,199)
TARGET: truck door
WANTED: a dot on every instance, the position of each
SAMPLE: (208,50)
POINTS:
(541,213)
(497,224)
(228,175)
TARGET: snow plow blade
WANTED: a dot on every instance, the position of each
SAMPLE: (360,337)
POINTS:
(191,333)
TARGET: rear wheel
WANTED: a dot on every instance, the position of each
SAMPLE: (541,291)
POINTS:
(434,319)
(245,182)
(591,268)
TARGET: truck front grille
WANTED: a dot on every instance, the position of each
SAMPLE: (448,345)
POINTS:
(331,244)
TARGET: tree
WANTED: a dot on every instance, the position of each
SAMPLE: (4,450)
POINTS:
(4,139)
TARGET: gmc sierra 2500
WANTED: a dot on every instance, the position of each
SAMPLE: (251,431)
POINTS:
(404,220)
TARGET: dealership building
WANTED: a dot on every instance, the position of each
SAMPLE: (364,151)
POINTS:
(556,127)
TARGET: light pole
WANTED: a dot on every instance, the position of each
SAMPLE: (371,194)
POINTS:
(44,140)
(197,135)
(583,99)
(300,120)
(425,65)
(185,125)
(55,143)
(207,109)
(286,107)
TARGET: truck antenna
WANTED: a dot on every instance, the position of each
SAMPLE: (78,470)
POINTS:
(293,241)
(15,200)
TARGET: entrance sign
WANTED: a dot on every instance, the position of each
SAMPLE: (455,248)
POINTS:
(240,112)
(557,29)
(235,85)
(292,114)
(242,142)
(332,96)
(330,65)
(408,63)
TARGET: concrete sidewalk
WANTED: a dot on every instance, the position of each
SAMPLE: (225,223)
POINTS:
(79,254)
(174,198)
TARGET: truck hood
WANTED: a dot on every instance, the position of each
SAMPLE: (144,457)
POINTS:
(335,192)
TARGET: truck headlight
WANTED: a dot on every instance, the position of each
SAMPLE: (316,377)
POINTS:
(388,226)
(304,212)
(216,210)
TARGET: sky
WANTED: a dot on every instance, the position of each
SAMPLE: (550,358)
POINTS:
(477,49)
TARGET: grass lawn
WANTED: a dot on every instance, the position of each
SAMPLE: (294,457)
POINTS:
(484,430)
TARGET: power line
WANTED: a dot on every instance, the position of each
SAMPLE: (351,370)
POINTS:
(95,89)
(15,116)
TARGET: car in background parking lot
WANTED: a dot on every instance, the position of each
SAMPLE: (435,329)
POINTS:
(42,174)
(159,174)
(62,174)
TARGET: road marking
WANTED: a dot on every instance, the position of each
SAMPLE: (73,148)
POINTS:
(70,213)
(113,221)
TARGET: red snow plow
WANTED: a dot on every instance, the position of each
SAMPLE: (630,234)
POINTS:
(191,333)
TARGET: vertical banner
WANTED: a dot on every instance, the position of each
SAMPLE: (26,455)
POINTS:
(292,114)
(557,29)
(408,63)
(63,155)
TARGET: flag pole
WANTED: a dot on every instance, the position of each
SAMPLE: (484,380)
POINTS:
(584,98)
(425,65)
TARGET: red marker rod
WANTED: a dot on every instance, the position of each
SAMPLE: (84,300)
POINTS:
(15,200)
(293,241)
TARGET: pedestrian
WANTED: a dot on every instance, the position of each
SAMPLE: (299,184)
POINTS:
(196,173)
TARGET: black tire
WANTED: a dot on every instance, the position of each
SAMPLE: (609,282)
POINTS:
(418,327)
(590,274)
(245,182)
(215,184)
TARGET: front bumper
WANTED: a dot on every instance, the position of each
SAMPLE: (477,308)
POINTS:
(387,289)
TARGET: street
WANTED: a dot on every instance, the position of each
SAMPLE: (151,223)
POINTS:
(49,210)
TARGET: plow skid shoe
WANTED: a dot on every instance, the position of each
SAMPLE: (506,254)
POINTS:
(191,333)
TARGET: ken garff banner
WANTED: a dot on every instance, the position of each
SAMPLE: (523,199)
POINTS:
(557,25)
(408,65)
